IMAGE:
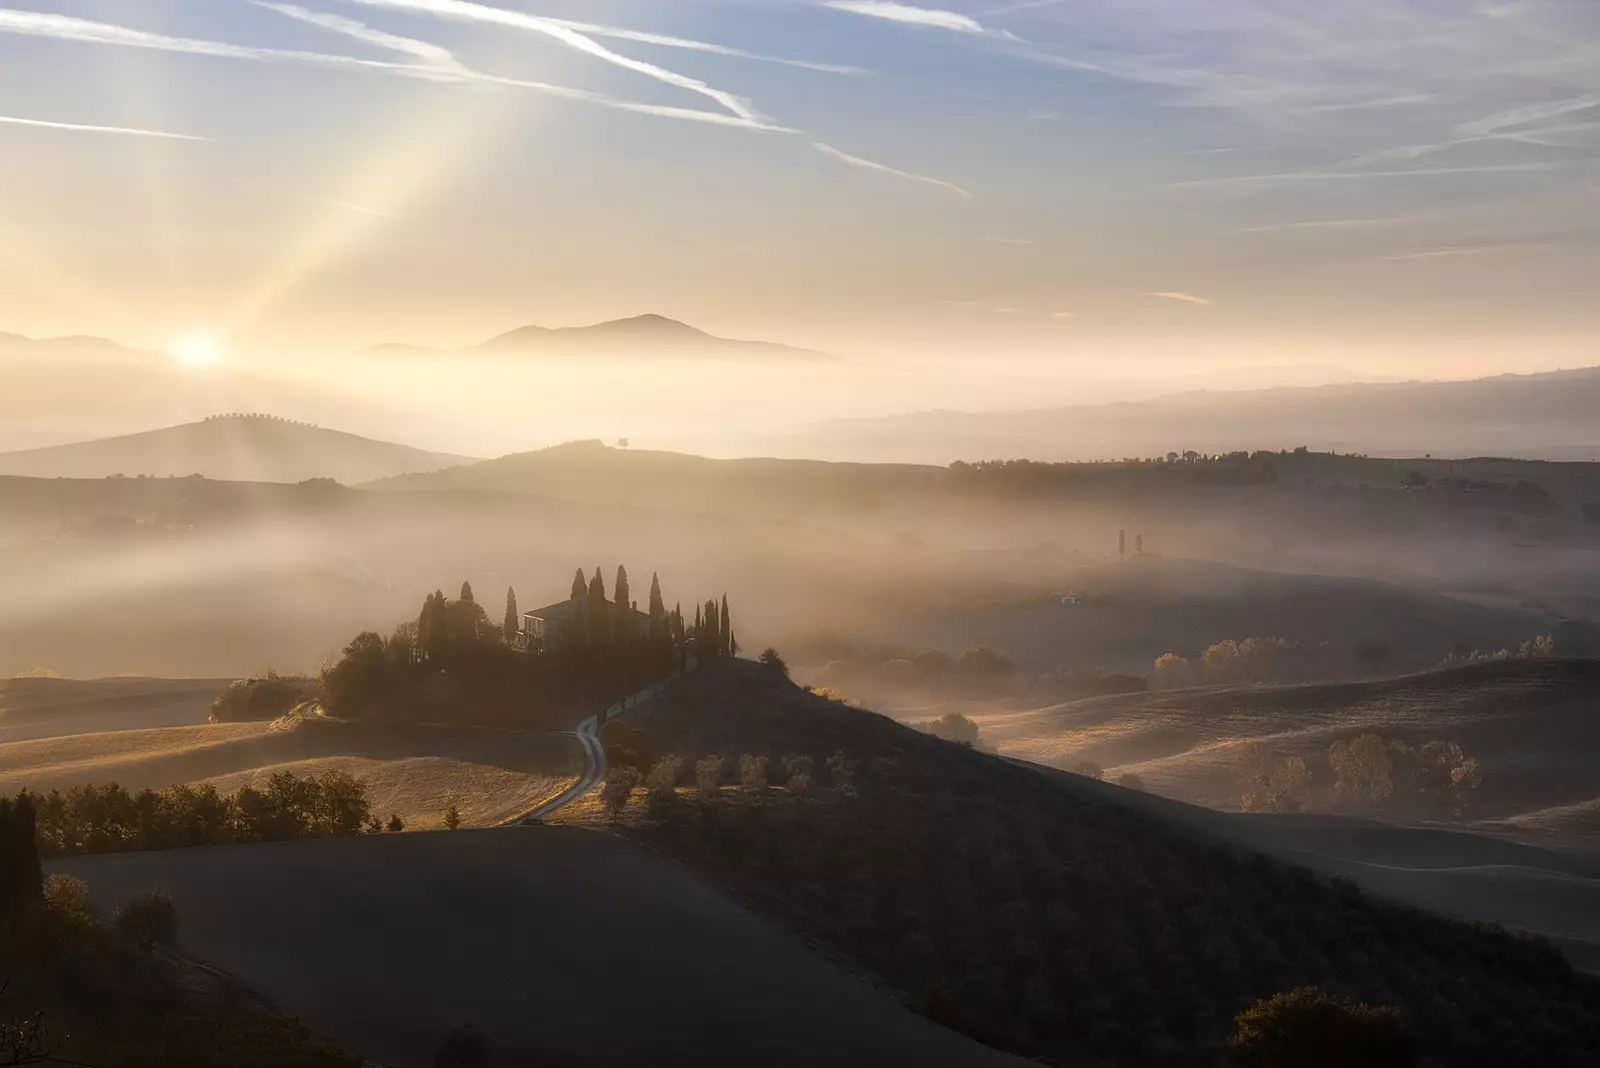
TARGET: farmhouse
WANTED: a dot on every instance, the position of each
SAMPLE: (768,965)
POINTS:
(558,625)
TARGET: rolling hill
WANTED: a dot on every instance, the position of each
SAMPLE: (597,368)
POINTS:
(1538,416)
(237,448)
(649,335)
(1528,723)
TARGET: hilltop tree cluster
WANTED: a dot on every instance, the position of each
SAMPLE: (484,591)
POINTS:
(454,661)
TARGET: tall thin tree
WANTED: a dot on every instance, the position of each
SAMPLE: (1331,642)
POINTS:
(580,585)
(466,592)
(658,609)
(513,619)
(724,629)
(599,626)
(623,616)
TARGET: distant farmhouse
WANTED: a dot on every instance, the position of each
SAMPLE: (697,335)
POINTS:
(560,625)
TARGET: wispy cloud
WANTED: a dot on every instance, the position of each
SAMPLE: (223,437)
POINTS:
(1330,224)
(1453,251)
(906,13)
(1351,175)
(867,164)
(74,127)
(431,55)
(1182,298)
(465,10)
(1063,315)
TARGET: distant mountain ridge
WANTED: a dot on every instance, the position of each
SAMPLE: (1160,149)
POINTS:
(1544,415)
(235,448)
(640,335)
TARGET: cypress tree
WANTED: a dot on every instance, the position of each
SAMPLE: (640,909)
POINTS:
(624,602)
(599,631)
(438,644)
(725,630)
(513,618)
(466,592)
(658,608)
(699,628)
(713,636)
(580,585)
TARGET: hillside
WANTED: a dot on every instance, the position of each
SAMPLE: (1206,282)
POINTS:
(239,448)
(1539,416)
(1528,723)
(562,948)
(1058,916)
(592,471)
(640,336)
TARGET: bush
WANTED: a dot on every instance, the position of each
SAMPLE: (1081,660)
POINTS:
(147,919)
(1130,781)
(1308,1028)
(462,1048)
(66,896)
(662,782)
(395,824)
(753,776)
(770,658)
(264,697)
(708,774)
(452,817)
(619,787)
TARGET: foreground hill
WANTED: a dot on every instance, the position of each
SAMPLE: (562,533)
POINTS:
(648,336)
(1058,916)
(239,448)
(1543,416)
(1529,724)
(563,948)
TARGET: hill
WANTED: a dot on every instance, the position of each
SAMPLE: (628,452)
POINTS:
(1538,416)
(649,335)
(241,448)
(562,948)
(591,471)
(1527,723)
(1055,915)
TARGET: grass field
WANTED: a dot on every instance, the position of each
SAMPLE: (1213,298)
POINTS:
(414,772)
(563,947)
(43,708)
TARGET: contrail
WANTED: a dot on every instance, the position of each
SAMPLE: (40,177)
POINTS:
(857,161)
(126,131)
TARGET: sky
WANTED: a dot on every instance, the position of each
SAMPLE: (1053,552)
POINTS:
(1169,187)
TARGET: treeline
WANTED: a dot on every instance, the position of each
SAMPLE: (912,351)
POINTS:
(1037,914)
(263,697)
(452,660)
(1365,773)
(109,819)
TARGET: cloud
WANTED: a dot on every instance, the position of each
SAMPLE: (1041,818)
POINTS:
(73,127)
(1183,298)
(1348,175)
(867,164)
(913,16)
(431,55)
(465,10)
(1063,315)
(1008,311)
(1330,224)
(1453,251)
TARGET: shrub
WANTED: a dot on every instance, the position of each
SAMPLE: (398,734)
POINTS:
(770,658)
(797,765)
(66,896)
(619,787)
(462,1048)
(1130,781)
(452,817)
(1308,1028)
(662,782)
(147,919)
(708,773)
(753,775)
(1172,671)
(395,824)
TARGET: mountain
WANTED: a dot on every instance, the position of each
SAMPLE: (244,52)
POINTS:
(77,341)
(1537,416)
(241,448)
(641,335)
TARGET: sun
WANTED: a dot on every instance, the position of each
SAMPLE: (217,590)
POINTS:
(198,351)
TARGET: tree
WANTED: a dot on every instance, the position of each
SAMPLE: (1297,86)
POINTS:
(599,626)
(658,608)
(771,659)
(753,776)
(1309,1028)
(622,597)
(466,592)
(708,772)
(462,1048)
(433,628)
(1138,545)
(1122,543)
(724,629)
(147,919)
(580,585)
(619,787)
(513,620)
(21,877)
(452,817)
(1130,781)
(395,824)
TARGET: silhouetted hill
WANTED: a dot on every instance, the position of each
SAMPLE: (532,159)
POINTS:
(640,335)
(1538,416)
(241,448)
